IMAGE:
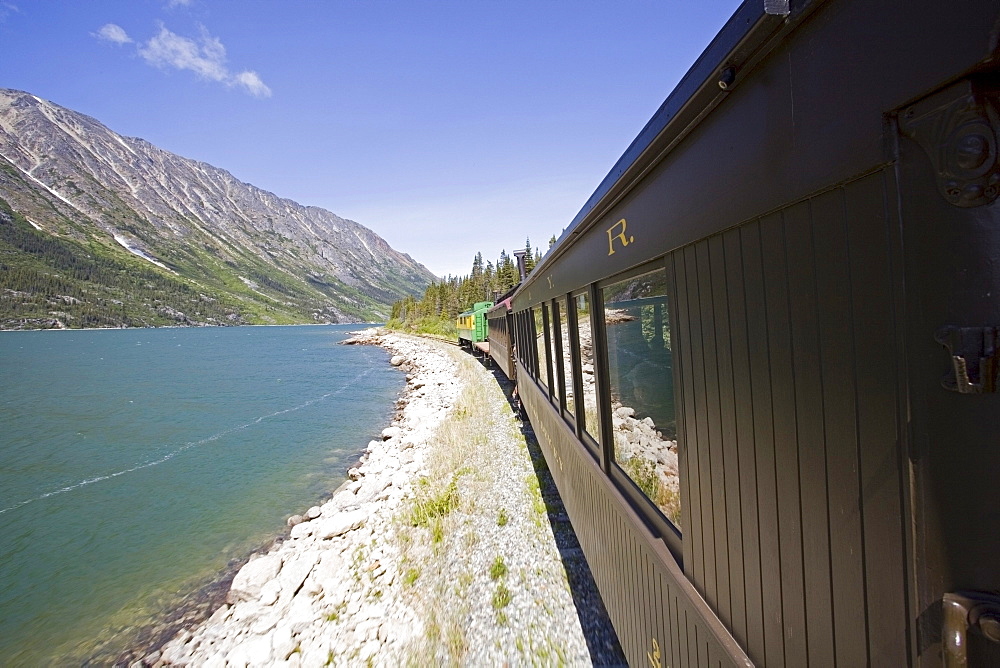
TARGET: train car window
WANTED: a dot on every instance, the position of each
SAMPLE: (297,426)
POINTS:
(591,425)
(527,323)
(640,365)
(523,340)
(567,363)
(542,368)
(555,373)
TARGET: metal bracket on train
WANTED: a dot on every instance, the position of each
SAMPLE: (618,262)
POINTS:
(974,357)
(964,610)
(957,128)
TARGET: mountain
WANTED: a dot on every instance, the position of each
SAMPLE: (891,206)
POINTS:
(97,229)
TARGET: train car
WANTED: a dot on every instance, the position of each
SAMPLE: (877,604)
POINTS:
(500,323)
(471,324)
(762,360)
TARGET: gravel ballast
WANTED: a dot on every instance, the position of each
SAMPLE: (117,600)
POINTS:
(448,545)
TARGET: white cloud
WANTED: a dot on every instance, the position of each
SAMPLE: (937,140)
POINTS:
(6,9)
(252,82)
(178,3)
(113,33)
(205,56)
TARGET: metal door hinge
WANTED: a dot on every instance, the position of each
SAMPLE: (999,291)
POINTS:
(957,127)
(964,610)
(974,358)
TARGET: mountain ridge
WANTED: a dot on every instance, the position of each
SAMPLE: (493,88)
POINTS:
(65,174)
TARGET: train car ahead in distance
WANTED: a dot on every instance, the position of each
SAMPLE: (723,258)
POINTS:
(471,324)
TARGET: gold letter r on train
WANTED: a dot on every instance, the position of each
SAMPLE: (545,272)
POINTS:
(620,226)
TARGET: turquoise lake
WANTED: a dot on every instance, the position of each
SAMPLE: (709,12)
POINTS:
(135,464)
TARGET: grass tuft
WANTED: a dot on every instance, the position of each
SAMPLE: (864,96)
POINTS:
(433,504)
(501,597)
(498,569)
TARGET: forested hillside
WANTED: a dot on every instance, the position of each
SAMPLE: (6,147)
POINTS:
(438,309)
(53,282)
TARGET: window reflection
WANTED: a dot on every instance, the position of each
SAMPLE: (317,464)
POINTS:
(567,364)
(555,349)
(540,344)
(590,422)
(642,393)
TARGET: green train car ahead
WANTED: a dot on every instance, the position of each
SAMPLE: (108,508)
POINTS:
(471,324)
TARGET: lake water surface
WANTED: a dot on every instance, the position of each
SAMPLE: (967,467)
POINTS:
(135,464)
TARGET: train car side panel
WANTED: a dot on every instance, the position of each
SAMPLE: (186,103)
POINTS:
(861,508)
(831,227)
(632,568)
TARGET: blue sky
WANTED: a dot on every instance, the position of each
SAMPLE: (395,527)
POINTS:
(446,127)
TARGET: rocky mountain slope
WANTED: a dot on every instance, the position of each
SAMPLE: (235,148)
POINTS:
(97,229)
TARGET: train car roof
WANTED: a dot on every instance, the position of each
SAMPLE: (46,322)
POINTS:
(737,46)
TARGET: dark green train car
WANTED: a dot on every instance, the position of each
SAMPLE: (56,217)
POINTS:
(471,324)
(763,361)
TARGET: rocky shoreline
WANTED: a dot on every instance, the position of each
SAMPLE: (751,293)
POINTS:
(445,546)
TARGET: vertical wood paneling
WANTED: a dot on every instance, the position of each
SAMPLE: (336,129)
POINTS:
(809,424)
(786,446)
(760,397)
(680,633)
(713,432)
(688,441)
(837,367)
(691,640)
(705,555)
(650,593)
(730,454)
(643,629)
(703,650)
(663,595)
(877,418)
(746,449)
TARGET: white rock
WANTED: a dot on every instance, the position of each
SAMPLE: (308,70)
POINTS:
(391,432)
(301,614)
(282,642)
(269,592)
(217,660)
(624,412)
(313,513)
(220,615)
(303,530)
(263,624)
(295,570)
(369,650)
(327,572)
(315,656)
(368,629)
(341,524)
(248,582)
(397,360)
(255,651)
